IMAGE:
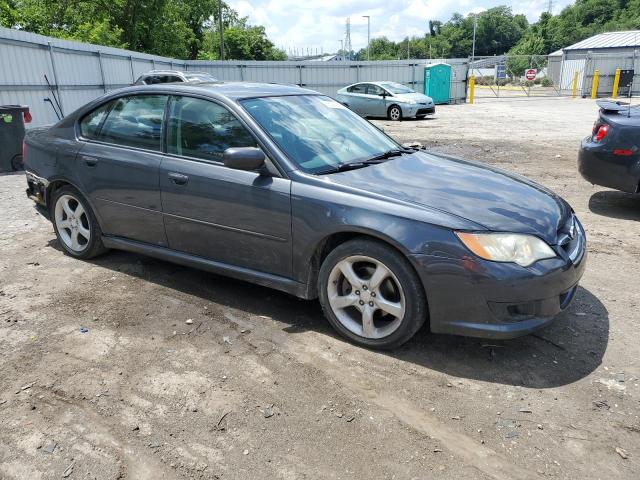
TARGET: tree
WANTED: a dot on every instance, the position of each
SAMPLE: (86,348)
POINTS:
(173,28)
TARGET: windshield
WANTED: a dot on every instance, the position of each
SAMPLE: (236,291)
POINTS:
(316,132)
(396,87)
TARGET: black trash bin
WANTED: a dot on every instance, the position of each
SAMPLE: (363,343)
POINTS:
(12,120)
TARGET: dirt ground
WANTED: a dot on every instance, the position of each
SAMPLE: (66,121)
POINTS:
(256,385)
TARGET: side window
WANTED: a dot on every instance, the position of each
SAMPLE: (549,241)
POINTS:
(90,123)
(203,129)
(360,88)
(373,89)
(135,121)
(172,79)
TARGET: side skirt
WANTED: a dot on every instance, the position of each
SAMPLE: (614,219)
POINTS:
(241,273)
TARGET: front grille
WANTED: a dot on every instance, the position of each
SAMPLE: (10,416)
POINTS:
(425,111)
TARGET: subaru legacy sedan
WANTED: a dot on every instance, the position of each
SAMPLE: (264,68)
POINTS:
(386,99)
(287,188)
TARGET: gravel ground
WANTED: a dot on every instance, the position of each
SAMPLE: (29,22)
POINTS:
(185,374)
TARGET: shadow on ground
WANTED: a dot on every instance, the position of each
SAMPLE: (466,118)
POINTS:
(566,351)
(611,203)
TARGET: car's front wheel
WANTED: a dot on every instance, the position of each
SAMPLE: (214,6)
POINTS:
(370,294)
(75,224)
(394,113)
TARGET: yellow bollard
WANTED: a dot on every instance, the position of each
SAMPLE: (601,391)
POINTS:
(616,83)
(472,87)
(594,84)
(574,85)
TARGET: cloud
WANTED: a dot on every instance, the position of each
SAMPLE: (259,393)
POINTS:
(320,24)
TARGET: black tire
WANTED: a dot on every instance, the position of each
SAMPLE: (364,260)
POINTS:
(16,163)
(416,304)
(94,246)
(390,113)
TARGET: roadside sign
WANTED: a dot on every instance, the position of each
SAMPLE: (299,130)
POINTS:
(501,72)
(530,74)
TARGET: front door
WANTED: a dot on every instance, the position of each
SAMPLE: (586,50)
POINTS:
(118,166)
(236,217)
(376,103)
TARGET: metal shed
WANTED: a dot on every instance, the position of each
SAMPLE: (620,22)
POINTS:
(605,52)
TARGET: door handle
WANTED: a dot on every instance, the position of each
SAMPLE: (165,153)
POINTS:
(178,178)
(90,161)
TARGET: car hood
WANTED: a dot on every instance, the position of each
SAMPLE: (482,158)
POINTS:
(496,200)
(417,97)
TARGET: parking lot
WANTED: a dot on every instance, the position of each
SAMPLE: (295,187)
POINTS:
(130,367)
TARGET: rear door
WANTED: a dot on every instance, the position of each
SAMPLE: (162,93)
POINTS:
(119,166)
(356,99)
(236,217)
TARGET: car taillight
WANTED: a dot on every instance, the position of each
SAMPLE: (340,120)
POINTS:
(24,149)
(601,132)
(27,117)
(623,152)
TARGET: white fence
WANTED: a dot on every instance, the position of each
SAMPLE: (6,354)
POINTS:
(80,72)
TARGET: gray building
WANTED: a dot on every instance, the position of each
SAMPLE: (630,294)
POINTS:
(604,52)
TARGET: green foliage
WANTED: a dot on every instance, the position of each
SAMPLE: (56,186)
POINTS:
(241,42)
(173,28)
(499,31)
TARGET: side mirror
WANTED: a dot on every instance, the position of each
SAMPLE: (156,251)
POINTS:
(383,94)
(243,158)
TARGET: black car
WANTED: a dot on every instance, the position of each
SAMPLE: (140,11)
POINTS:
(610,156)
(287,188)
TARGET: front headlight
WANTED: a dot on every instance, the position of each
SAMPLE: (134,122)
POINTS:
(507,247)
(409,102)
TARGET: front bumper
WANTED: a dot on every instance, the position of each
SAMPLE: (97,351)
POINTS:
(418,110)
(479,298)
(598,165)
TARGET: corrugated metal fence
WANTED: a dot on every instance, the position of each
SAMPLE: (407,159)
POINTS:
(80,72)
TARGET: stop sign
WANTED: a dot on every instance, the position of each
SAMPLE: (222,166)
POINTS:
(530,73)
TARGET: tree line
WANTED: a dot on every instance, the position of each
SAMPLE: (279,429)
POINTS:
(189,29)
(499,31)
(184,29)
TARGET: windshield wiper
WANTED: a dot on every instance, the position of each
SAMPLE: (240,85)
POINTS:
(396,152)
(343,167)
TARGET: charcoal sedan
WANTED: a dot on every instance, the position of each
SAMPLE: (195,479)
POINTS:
(386,99)
(610,156)
(287,188)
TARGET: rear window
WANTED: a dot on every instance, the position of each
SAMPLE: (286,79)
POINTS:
(360,88)
(91,123)
(135,121)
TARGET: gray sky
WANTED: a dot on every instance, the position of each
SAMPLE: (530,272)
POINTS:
(321,23)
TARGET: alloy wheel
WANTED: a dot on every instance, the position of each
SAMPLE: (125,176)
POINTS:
(366,297)
(72,223)
(395,113)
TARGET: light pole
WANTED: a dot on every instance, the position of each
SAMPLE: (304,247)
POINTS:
(220,26)
(473,48)
(368,35)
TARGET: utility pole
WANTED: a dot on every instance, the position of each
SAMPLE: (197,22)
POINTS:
(408,41)
(473,48)
(368,35)
(220,26)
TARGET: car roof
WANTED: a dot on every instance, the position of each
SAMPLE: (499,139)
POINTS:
(231,90)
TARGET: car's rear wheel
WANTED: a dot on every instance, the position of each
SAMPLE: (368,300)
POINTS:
(16,163)
(75,224)
(370,294)
(394,113)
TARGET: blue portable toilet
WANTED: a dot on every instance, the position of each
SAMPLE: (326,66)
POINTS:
(437,82)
